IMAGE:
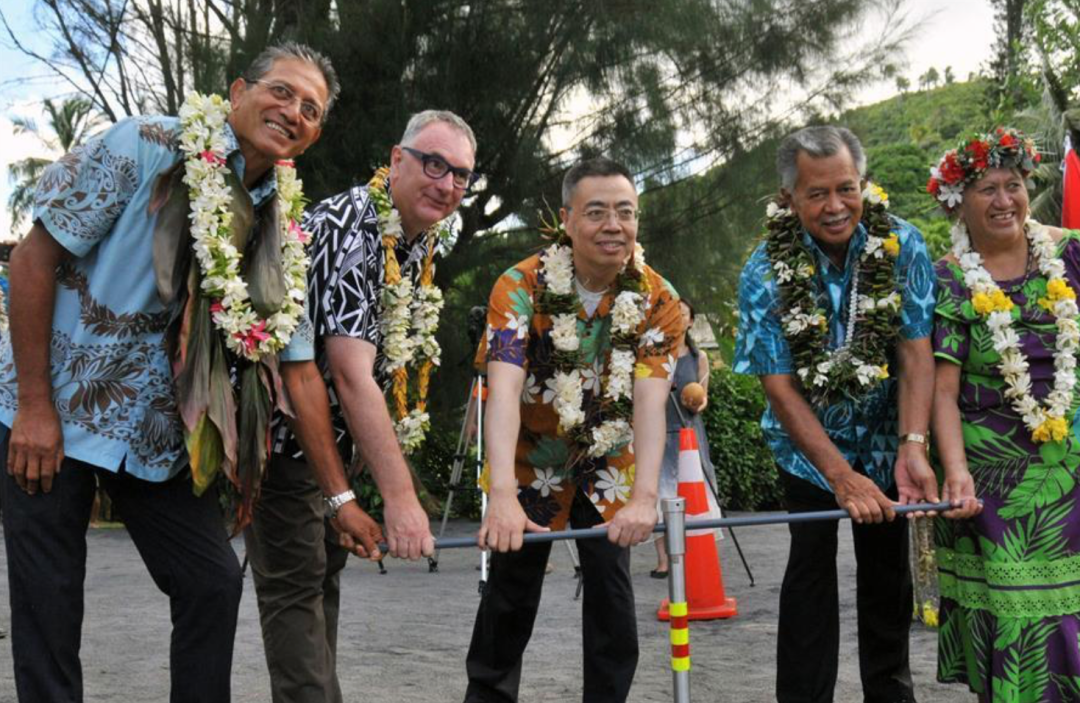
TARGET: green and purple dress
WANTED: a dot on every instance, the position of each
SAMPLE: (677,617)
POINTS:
(1010,577)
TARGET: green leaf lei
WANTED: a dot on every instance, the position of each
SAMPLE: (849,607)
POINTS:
(861,362)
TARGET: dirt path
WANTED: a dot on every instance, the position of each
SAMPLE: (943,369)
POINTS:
(404,635)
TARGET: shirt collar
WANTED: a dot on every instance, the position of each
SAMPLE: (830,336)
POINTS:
(266,187)
(855,247)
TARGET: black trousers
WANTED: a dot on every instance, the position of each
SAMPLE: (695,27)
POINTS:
(182,541)
(297,566)
(508,608)
(809,636)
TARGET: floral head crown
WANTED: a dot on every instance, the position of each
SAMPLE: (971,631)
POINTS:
(1005,147)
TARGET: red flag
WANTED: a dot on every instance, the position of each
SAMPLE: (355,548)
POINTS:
(1070,192)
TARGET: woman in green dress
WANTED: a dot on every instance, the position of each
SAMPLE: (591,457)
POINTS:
(1005,340)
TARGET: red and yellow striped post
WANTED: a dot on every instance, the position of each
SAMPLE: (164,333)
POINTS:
(675,519)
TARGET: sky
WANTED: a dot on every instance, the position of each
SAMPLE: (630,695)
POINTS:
(958,33)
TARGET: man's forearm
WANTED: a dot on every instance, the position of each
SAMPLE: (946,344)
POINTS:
(32,298)
(650,435)
(311,424)
(373,433)
(916,385)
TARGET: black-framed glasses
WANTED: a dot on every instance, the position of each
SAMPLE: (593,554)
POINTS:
(435,167)
(309,111)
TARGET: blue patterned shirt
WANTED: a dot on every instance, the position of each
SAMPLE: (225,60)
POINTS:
(864,432)
(111,378)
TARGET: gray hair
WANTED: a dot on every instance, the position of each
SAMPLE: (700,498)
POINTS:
(599,166)
(294,50)
(817,142)
(420,120)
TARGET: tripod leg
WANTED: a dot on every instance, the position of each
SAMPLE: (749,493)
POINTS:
(741,556)
(455,475)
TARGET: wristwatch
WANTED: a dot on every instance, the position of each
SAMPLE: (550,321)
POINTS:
(335,503)
(915,437)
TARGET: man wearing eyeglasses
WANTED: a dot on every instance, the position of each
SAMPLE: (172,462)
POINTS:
(296,558)
(544,475)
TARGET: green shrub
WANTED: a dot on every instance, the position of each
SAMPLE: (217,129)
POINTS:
(745,471)
(434,465)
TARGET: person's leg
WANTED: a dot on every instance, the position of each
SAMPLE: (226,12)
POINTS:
(609,619)
(884,602)
(661,560)
(182,540)
(808,641)
(504,624)
(287,552)
(45,538)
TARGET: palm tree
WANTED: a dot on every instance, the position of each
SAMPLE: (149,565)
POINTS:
(71,122)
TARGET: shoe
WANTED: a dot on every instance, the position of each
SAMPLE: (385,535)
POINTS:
(658,574)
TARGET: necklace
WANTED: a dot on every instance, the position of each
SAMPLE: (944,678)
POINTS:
(559,300)
(1045,420)
(861,362)
(202,140)
(405,309)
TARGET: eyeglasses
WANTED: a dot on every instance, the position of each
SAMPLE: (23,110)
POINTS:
(309,111)
(435,167)
(600,215)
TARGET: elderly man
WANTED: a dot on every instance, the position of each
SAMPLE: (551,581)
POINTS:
(372,255)
(94,346)
(579,359)
(835,315)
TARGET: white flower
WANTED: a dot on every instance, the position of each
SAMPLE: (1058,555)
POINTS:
(784,272)
(530,391)
(652,336)
(613,484)
(518,323)
(564,332)
(626,313)
(951,195)
(547,481)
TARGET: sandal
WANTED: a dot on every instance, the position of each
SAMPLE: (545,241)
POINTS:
(658,574)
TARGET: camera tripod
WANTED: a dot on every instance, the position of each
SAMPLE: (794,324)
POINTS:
(473,424)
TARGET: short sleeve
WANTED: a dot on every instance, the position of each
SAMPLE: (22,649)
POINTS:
(301,346)
(915,277)
(509,316)
(760,346)
(80,197)
(952,334)
(346,271)
(663,334)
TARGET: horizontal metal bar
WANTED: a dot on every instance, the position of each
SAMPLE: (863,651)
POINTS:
(744,521)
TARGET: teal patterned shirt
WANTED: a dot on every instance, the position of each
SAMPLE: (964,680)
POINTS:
(864,432)
(111,378)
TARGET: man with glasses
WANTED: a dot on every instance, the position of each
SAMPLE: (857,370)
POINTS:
(87,386)
(296,559)
(560,343)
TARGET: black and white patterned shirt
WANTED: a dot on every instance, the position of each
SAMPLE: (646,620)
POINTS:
(345,283)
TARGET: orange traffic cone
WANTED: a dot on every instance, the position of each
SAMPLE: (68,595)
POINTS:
(704,579)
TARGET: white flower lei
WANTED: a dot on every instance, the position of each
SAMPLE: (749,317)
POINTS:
(202,140)
(1046,421)
(627,313)
(405,308)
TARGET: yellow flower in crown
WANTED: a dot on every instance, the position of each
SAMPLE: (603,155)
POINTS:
(892,245)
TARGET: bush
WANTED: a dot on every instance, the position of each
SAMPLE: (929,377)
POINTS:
(745,471)
(434,465)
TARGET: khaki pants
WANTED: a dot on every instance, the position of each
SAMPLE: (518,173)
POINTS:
(297,566)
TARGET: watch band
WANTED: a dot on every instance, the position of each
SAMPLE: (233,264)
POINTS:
(916,437)
(335,503)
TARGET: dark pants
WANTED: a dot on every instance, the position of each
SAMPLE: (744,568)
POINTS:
(508,608)
(297,579)
(809,637)
(183,543)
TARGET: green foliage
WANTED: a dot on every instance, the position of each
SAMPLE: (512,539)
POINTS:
(935,232)
(901,169)
(746,473)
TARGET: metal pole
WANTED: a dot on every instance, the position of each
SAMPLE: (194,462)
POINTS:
(746,521)
(674,519)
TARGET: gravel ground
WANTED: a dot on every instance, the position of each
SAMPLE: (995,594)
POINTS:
(404,634)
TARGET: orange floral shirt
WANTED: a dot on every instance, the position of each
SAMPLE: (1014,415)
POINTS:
(518,335)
